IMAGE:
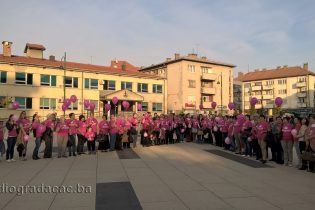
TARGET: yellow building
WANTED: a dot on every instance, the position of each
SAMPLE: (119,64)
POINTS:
(295,85)
(38,84)
(193,81)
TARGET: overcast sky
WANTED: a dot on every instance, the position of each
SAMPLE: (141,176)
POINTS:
(258,34)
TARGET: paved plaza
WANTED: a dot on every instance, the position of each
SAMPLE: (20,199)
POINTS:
(180,176)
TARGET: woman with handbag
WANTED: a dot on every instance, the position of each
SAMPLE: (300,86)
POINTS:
(24,124)
(103,135)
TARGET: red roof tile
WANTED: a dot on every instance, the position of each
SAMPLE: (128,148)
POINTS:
(274,74)
(123,64)
(34,46)
(72,66)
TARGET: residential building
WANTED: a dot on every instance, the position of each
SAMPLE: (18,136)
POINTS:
(193,81)
(39,84)
(295,85)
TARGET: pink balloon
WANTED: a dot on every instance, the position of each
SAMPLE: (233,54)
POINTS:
(15,105)
(92,106)
(139,107)
(294,132)
(107,107)
(231,106)
(227,141)
(253,101)
(64,107)
(115,100)
(67,102)
(213,105)
(73,98)
(86,104)
(278,101)
(26,138)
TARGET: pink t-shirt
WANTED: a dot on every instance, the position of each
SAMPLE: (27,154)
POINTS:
(25,123)
(247,125)
(286,132)
(73,125)
(103,127)
(134,122)
(262,129)
(13,132)
(91,121)
(49,124)
(113,128)
(35,126)
(90,135)
(82,128)
(237,126)
(63,129)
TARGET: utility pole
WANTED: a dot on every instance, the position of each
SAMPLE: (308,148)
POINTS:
(64,58)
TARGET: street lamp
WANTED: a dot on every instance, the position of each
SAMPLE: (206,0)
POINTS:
(64,67)
(221,92)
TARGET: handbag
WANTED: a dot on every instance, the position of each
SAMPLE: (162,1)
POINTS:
(174,136)
(308,155)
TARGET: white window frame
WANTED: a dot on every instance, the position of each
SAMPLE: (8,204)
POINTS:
(155,108)
(50,104)
(50,80)
(141,88)
(155,88)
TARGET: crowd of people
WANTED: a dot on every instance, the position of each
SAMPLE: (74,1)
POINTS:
(246,135)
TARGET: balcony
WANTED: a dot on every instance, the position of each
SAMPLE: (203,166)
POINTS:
(208,90)
(258,97)
(268,87)
(211,77)
(301,105)
(256,88)
(301,84)
(301,95)
(267,97)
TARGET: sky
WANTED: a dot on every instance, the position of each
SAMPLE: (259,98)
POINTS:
(251,34)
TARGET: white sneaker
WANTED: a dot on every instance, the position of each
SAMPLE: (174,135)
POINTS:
(12,160)
(8,160)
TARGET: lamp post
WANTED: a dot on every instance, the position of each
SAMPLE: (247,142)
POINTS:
(221,108)
(262,99)
(64,66)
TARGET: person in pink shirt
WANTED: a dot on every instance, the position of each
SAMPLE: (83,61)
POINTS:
(126,134)
(92,122)
(90,136)
(38,130)
(48,135)
(82,127)
(73,126)
(133,130)
(246,133)
(113,132)
(103,134)
(287,142)
(24,124)
(62,130)
(12,137)
(238,124)
(262,129)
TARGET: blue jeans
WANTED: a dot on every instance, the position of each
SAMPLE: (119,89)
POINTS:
(10,150)
(37,145)
(248,147)
(112,141)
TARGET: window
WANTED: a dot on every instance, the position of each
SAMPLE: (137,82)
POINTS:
(23,78)
(73,106)
(47,80)
(25,103)
(302,79)
(142,87)
(283,91)
(191,68)
(156,107)
(191,83)
(282,81)
(109,85)
(126,86)
(157,88)
(72,82)
(47,103)
(3,101)
(90,83)
(144,106)
(257,83)
(206,70)
(207,98)
(269,82)
(207,84)
(3,77)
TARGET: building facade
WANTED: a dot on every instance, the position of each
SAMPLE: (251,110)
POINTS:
(39,85)
(237,95)
(295,85)
(193,83)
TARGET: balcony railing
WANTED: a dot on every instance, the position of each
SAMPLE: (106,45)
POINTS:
(256,88)
(301,84)
(268,87)
(301,95)
(211,77)
(208,90)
